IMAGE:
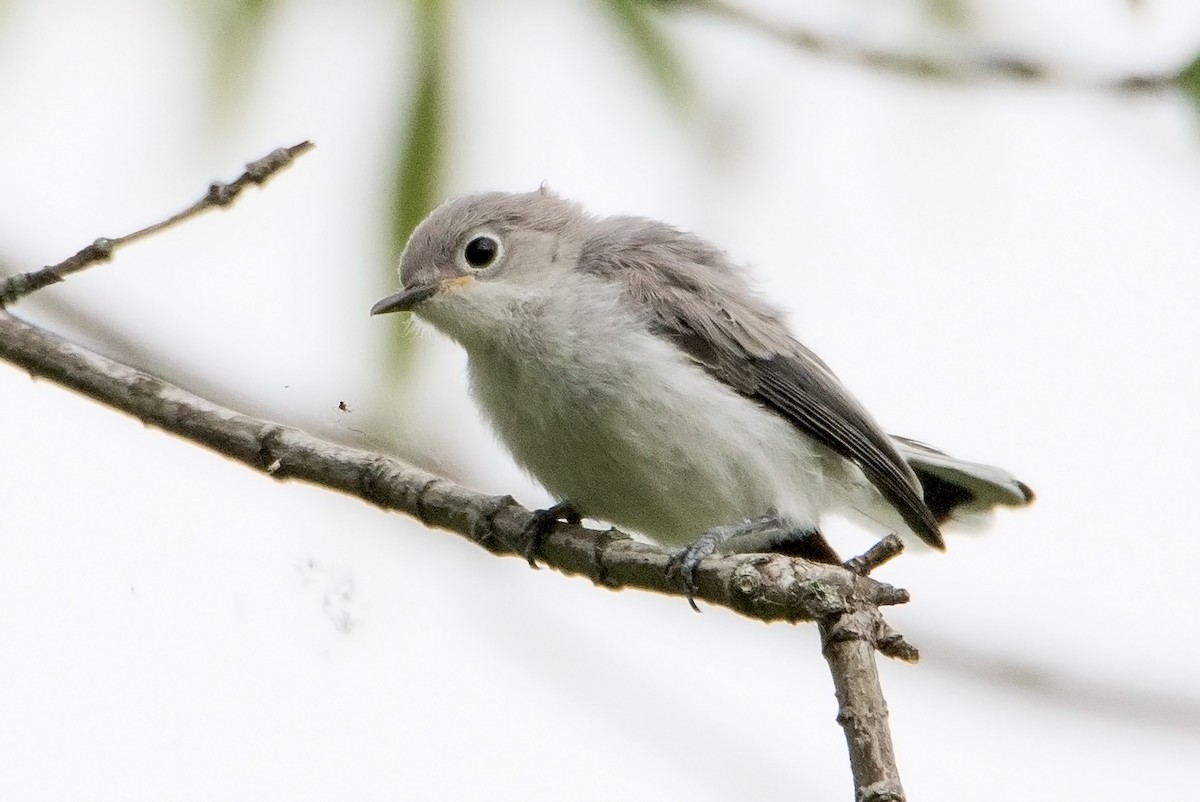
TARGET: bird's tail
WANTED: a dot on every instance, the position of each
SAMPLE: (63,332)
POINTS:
(956,489)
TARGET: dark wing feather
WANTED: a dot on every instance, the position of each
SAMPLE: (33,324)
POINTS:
(815,401)
(694,297)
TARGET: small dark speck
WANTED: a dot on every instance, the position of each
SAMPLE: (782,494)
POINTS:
(343,406)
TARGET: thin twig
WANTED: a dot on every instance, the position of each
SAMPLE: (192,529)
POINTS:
(883,551)
(219,194)
(943,69)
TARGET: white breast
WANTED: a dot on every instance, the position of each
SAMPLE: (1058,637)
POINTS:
(622,424)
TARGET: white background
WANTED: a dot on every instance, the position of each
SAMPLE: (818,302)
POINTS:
(1007,271)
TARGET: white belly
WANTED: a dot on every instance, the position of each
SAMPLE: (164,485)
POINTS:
(620,423)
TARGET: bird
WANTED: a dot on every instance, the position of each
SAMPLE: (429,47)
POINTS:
(633,370)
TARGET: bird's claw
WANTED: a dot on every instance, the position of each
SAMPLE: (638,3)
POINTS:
(542,524)
(683,564)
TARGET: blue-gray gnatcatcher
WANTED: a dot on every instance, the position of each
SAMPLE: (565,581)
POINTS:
(629,367)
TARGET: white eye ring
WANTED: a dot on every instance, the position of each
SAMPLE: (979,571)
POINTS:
(481,251)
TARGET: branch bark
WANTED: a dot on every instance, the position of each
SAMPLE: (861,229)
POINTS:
(848,642)
(765,587)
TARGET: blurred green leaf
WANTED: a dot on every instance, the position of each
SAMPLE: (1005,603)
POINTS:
(420,167)
(1189,81)
(638,21)
(947,12)
(236,31)
(421,148)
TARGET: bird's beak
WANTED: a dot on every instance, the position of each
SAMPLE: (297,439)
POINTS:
(405,300)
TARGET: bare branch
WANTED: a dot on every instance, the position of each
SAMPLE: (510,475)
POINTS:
(765,587)
(848,643)
(917,66)
(843,600)
(219,194)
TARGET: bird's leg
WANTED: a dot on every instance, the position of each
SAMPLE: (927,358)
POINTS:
(684,562)
(542,524)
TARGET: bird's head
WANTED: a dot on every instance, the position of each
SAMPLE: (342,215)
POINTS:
(474,256)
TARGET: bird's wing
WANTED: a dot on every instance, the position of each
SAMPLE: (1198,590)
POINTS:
(695,298)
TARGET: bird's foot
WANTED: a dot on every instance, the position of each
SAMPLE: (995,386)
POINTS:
(683,563)
(542,524)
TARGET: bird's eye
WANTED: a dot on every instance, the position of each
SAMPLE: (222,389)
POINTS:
(481,251)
